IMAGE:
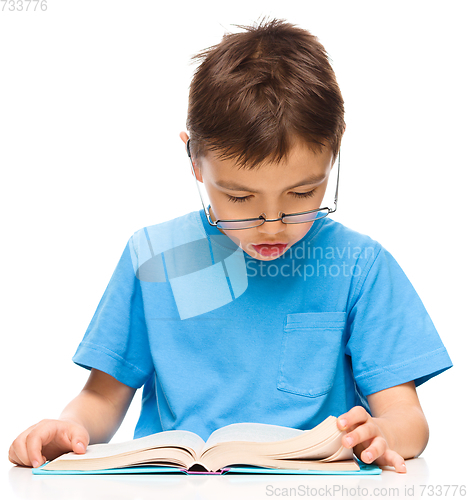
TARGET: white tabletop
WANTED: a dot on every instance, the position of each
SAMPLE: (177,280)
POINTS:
(426,477)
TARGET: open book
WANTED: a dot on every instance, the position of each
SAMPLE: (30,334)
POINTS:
(252,444)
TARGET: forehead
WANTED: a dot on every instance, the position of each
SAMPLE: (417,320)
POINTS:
(299,165)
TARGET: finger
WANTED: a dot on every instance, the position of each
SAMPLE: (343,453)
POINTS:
(13,457)
(356,416)
(361,433)
(377,448)
(18,448)
(79,438)
(392,458)
(41,436)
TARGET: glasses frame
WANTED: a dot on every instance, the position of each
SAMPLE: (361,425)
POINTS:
(262,216)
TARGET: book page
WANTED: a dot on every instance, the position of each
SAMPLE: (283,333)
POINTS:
(252,432)
(183,439)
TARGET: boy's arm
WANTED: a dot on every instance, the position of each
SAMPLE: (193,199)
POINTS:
(100,407)
(398,430)
(398,412)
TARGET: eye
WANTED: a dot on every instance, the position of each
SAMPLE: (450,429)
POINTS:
(309,194)
(241,199)
(236,199)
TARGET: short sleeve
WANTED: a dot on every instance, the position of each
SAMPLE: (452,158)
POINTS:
(392,339)
(116,341)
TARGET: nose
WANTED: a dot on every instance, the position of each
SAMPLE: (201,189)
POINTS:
(272,227)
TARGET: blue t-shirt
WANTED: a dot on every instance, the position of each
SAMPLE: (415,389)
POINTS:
(217,337)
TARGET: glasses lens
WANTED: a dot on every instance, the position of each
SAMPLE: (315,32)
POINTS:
(241,224)
(297,219)
(289,219)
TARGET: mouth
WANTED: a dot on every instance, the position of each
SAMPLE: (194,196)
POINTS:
(270,249)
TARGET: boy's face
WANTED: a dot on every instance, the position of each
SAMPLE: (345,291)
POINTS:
(268,189)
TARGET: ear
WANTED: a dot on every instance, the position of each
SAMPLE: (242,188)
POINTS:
(197,172)
(185,138)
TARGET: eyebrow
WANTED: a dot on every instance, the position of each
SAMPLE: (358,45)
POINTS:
(314,179)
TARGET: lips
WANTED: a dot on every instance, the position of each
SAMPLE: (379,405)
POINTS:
(269,250)
(270,243)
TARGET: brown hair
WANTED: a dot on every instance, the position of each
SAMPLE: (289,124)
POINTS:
(257,92)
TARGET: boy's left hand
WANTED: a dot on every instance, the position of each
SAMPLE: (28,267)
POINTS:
(367,438)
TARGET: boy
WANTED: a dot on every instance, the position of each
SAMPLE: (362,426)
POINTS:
(257,307)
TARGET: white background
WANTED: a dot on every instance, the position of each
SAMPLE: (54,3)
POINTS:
(93,95)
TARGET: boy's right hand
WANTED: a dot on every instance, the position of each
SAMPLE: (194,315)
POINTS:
(47,440)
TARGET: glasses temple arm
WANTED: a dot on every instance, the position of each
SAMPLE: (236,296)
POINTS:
(337,181)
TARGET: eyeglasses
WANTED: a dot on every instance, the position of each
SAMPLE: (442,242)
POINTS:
(294,218)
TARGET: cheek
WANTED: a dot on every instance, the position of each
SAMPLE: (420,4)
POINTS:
(300,230)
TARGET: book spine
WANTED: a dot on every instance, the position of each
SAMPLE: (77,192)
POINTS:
(221,471)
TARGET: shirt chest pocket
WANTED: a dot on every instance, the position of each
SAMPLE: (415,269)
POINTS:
(310,350)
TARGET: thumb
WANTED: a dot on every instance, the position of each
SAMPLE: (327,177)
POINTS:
(80,441)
